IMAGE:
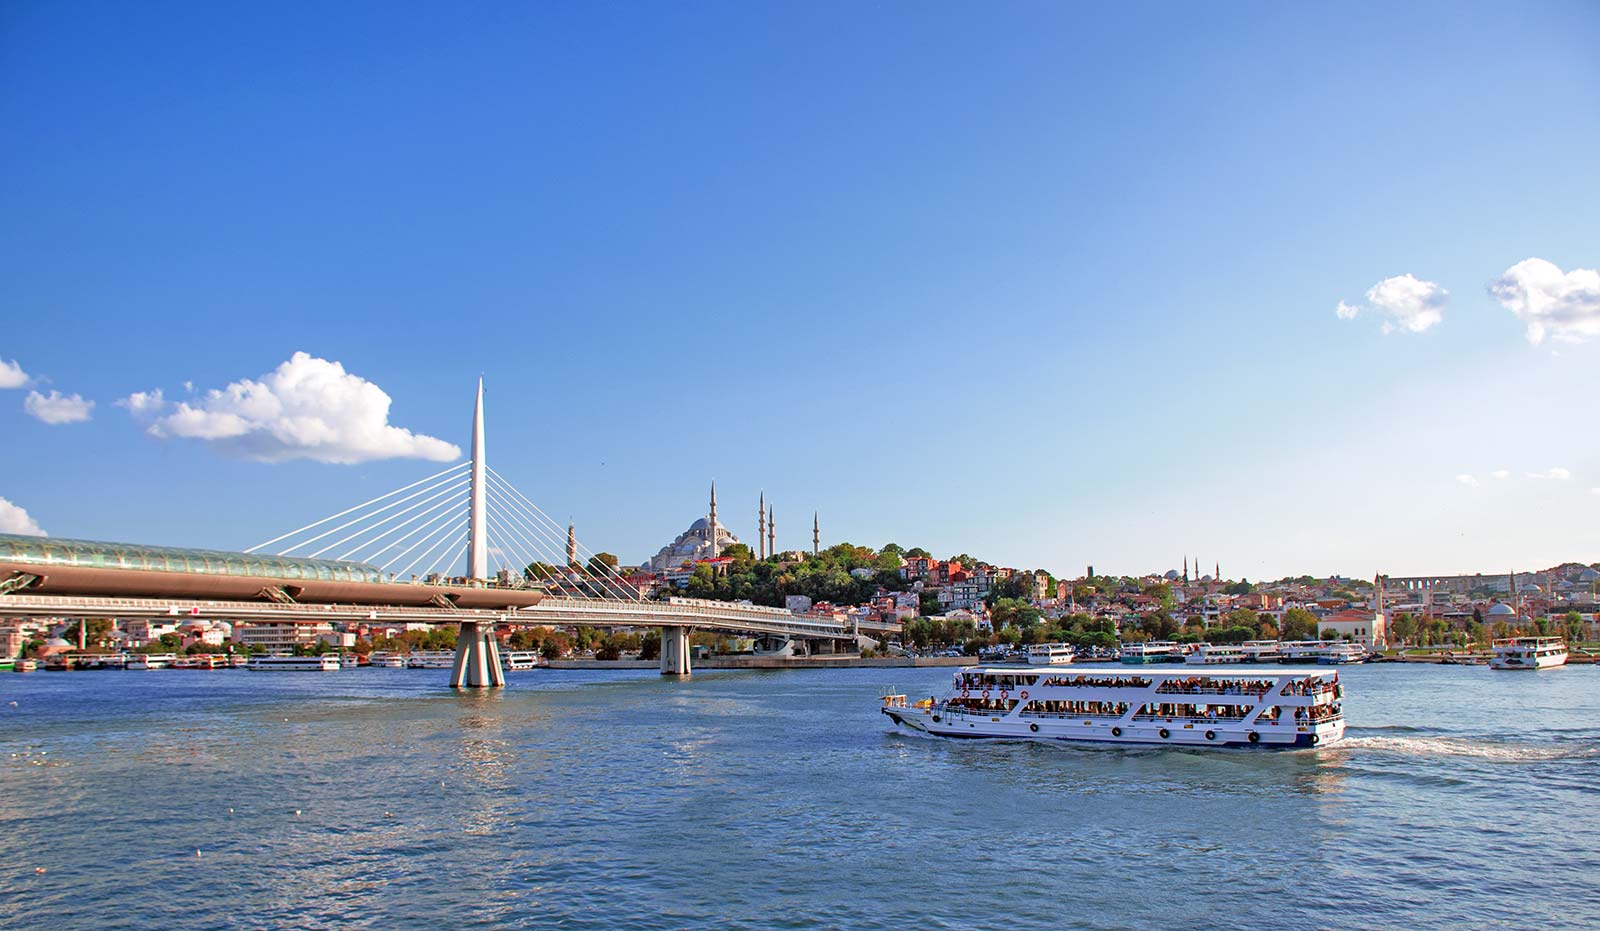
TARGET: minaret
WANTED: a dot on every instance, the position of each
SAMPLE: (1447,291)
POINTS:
(477,536)
(761,526)
(572,546)
(1186,570)
(1217,572)
(711,532)
(816,535)
(772,530)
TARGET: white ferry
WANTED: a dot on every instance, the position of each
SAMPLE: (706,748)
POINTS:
(1299,651)
(327,662)
(152,661)
(1339,652)
(1049,654)
(431,659)
(383,659)
(1212,654)
(1261,651)
(1529,653)
(520,659)
(1151,651)
(1244,706)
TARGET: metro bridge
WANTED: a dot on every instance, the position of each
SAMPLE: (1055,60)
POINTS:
(378,542)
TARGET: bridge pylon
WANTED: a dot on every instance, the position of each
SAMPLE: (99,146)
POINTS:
(477,662)
(675,651)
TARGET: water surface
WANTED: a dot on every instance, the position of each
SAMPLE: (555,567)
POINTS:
(752,800)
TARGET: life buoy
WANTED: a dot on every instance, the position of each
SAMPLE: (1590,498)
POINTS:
(1254,737)
(964,693)
(1211,735)
(1165,733)
(1033,727)
(1023,694)
(1116,732)
(1004,694)
(985,694)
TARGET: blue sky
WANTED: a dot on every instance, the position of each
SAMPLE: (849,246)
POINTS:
(1049,284)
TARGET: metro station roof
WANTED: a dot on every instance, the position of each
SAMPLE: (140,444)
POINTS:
(56,551)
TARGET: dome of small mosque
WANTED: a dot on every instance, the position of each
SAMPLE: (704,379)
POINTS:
(1500,609)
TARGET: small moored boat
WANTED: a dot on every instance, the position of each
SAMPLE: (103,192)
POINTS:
(1529,653)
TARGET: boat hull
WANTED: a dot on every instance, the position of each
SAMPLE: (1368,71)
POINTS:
(1117,732)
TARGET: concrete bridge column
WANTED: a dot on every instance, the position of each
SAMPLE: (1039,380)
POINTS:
(675,651)
(477,658)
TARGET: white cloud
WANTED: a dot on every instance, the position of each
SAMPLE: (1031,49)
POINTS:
(14,519)
(12,375)
(1408,302)
(1467,480)
(1501,473)
(306,408)
(1594,491)
(1556,472)
(1565,305)
(58,408)
(144,403)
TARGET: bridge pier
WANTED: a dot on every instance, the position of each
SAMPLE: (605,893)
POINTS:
(477,658)
(675,651)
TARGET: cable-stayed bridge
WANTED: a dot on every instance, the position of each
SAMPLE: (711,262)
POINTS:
(391,559)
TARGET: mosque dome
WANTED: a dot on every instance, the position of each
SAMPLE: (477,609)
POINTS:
(1500,609)
(1589,575)
(1171,575)
(705,538)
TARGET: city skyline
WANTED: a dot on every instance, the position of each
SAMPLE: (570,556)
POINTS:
(1004,294)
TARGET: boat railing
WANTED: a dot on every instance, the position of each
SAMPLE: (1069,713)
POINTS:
(1195,718)
(1213,690)
(1058,715)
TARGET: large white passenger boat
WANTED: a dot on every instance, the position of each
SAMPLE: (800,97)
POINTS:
(1151,651)
(1049,654)
(1529,653)
(1212,654)
(1339,652)
(1243,706)
(383,659)
(327,662)
(431,659)
(151,661)
(512,660)
(1299,651)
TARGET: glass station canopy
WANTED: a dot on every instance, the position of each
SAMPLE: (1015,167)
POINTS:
(55,551)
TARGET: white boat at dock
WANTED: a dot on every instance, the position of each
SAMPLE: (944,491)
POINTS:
(152,660)
(1246,706)
(383,659)
(1050,654)
(328,662)
(1528,653)
(1150,651)
(1213,654)
(1340,652)
(431,659)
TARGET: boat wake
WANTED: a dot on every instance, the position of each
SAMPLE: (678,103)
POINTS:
(1460,747)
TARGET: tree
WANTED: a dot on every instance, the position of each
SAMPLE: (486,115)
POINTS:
(604,564)
(1241,587)
(1299,624)
(1403,627)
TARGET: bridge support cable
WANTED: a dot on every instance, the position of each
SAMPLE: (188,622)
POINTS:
(425,532)
(432,545)
(549,549)
(362,531)
(538,559)
(518,518)
(459,467)
(537,514)
(444,555)
(361,519)
(528,507)
(370,547)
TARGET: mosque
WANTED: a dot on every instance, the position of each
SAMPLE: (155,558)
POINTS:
(706,538)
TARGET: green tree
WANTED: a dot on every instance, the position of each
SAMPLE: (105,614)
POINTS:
(1299,624)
